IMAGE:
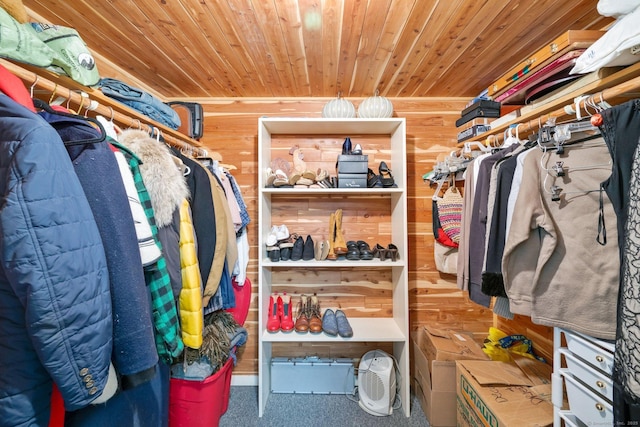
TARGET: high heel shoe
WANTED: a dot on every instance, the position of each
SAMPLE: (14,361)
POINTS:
(392,252)
(385,175)
(346,146)
(380,252)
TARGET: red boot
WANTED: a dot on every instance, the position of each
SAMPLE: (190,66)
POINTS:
(286,322)
(275,310)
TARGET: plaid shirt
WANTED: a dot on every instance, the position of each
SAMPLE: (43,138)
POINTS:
(165,315)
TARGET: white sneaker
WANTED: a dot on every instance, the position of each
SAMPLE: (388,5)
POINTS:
(282,232)
(272,237)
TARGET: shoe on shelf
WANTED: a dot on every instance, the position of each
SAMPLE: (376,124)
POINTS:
(329,323)
(357,150)
(346,146)
(286,319)
(373,180)
(331,255)
(344,328)
(385,175)
(315,322)
(365,250)
(273,318)
(302,320)
(324,250)
(353,253)
(298,248)
(270,176)
(308,251)
(380,251)
(285,250)
(392,252)
(273,253)
(282,232)
(281,178)
(339,244)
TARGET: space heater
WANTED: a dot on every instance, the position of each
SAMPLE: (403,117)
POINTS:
(377,383)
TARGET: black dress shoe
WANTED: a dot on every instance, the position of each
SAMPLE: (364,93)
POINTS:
(346,146)
(353,252)
(298,248)
(308,252)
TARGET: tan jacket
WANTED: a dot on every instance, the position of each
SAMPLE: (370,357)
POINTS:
(552,263)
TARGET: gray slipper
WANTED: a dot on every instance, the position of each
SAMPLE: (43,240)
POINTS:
(344,328)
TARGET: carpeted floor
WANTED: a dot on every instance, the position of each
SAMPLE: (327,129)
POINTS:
(306,410)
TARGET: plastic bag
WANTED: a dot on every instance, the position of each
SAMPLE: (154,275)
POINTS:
(499,346)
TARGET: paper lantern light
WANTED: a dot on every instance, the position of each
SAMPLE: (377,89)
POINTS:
(375,107)
(339,108)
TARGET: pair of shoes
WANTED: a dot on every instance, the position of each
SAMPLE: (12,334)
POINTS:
(390,252)
(359,250)
(347,148)
(385,176)
(337,244)
(303,249)
(308,315)
(336,324)
(277,234)
(322,250)
(280,316)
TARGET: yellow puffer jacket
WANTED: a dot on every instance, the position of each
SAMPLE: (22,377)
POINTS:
(191,314)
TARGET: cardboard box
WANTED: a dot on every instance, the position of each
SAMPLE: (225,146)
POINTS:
(501,394)
(352,180)
(434,371)
(353,163)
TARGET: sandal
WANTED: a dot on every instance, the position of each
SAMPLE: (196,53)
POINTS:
(281,179)
(365,250)
(385,175)
(270,177)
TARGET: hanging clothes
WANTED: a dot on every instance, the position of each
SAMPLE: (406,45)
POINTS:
(554,265)
(55,303)
(153,191)
(134,352)
(621,132)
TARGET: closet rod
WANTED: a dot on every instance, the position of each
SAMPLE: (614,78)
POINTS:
(33,80)
(604,95)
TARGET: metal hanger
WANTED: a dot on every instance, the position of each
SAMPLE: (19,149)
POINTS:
(38,103)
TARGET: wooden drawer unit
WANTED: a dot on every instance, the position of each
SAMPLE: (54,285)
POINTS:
(582,385)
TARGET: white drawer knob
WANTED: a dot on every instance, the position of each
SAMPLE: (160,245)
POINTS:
(600,358)
(599,407)
(600,384)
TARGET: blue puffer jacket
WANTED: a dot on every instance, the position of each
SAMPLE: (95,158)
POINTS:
(55,306)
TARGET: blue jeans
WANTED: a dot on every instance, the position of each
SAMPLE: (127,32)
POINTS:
(141,101)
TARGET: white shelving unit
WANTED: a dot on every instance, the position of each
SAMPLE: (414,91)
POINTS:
(393,329)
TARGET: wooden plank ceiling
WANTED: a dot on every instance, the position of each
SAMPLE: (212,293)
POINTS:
(302,48)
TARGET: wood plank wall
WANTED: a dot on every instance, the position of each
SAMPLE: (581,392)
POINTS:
(230,128)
